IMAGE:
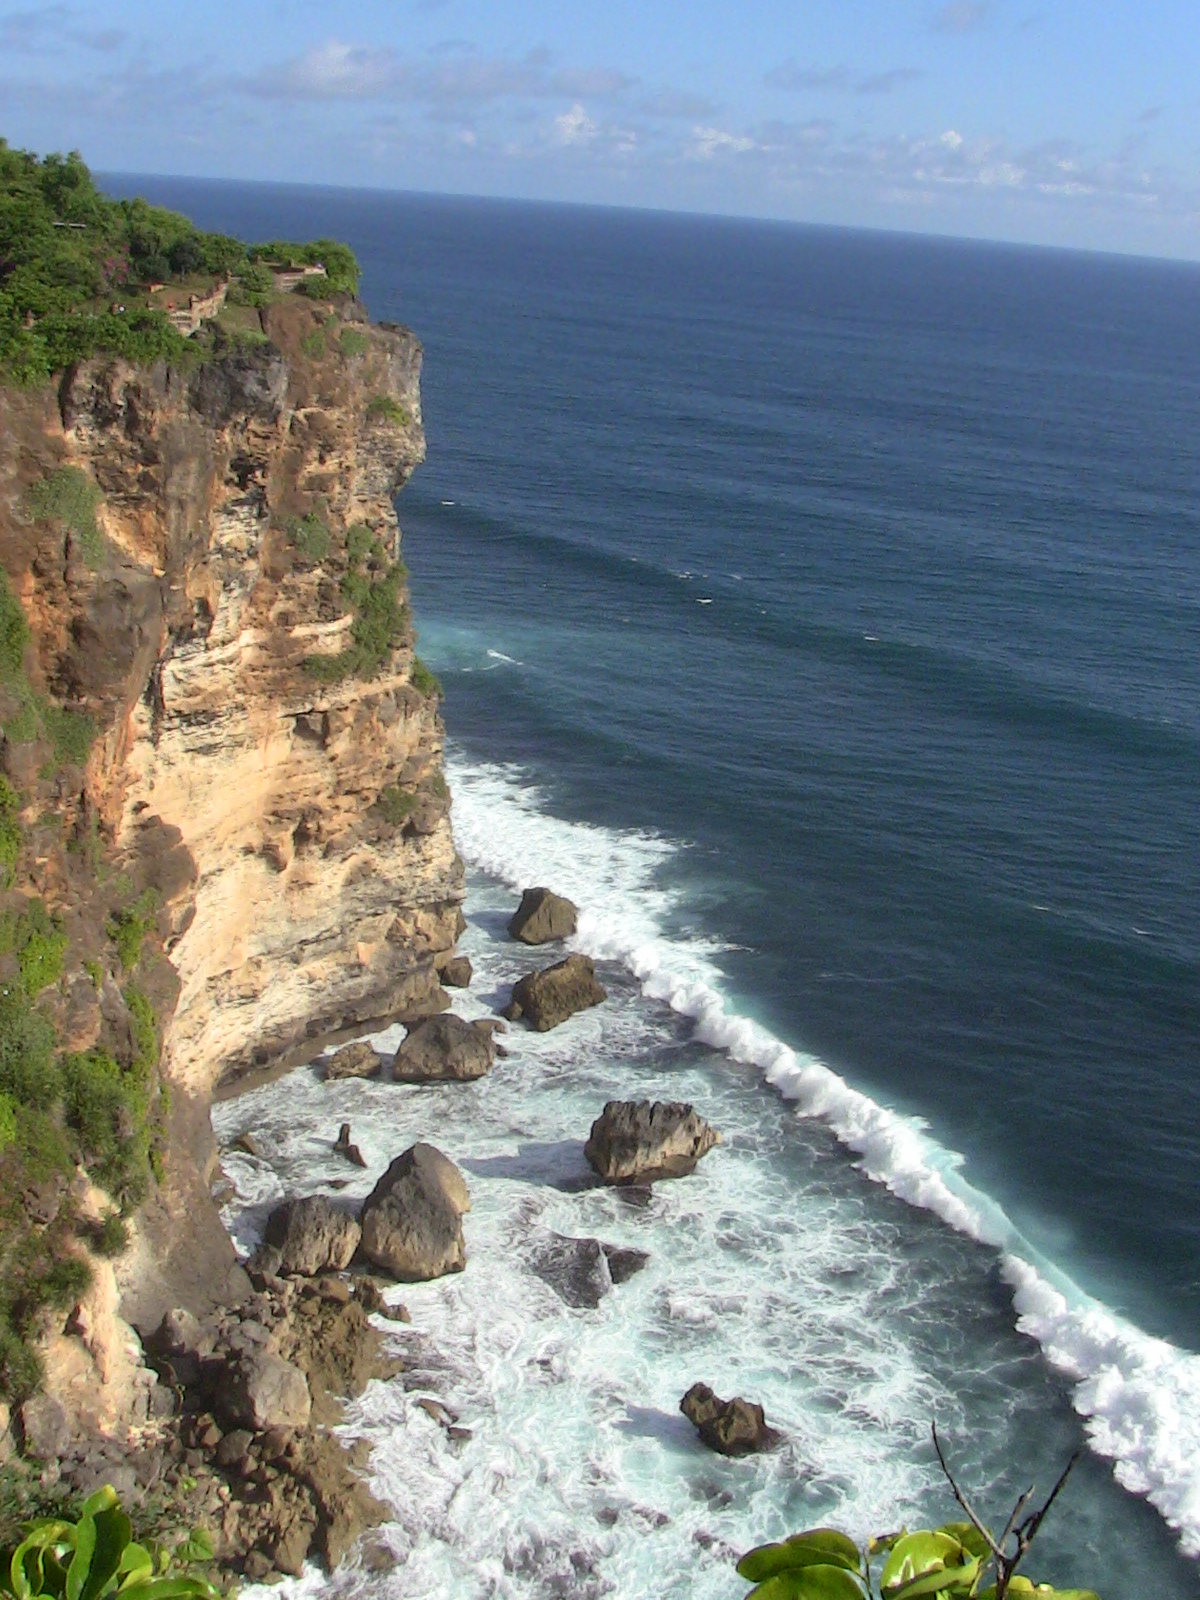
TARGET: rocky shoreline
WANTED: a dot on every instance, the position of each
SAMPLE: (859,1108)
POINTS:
(274,827)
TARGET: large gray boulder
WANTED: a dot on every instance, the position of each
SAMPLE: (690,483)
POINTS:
(542,916)
(444,1048)
(355,1060)
(412,1219)
(637,1141)
(265,1391)
(311,1235)
(546,998)
(582,1271)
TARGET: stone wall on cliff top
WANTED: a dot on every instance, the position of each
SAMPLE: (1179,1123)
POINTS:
(226,776)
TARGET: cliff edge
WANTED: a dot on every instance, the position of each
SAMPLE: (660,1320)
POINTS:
(223,756)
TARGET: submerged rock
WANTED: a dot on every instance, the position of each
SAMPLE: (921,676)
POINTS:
(582,1271)
(444,1048)
(355,1060)
(542,916)
(311,1235)
(546,998)
(734,1427)
(638,1141)
(412,1219)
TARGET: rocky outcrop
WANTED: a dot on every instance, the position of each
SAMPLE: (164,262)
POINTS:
(309,1236)
(542,917)
(412,1219)
(734,1427)
(357,1060)
(443,1048)
(582,1271)
(268,807)
(547,998)
(639,1141)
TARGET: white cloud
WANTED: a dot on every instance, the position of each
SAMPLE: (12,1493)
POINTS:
(574,127)
(951,139)
(708,142)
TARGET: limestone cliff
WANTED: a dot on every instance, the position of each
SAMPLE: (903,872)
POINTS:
(286,828)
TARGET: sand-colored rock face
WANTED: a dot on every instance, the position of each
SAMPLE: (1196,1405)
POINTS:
(226,777)
(308,913)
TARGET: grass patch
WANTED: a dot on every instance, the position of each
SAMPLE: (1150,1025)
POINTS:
(10,832)
(423,680)
(310,538)
(353,343)
(378,628)
(128,926)
(39,944)
(386,408)
(395,805)
(313,344)
(68,496)
(72,733)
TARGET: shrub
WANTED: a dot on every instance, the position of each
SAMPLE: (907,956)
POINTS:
(377,629)
(39,944)
(14,632)
(423,680)
(10,832)
(127,928)
(106,1106)
(360,542)
(28,1074)
(110,1237)
(386,408)
(313,344)
(8,1121)
(67,495)
(97,1556)
(310,538)
(953,1561)
(395,804)
(353,343)
(144,1028)
(72,733)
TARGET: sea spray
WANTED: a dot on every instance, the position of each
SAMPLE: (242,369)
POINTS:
(1140,1396)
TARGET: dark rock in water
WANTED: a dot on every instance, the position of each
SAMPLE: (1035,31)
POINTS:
(247,1144)
(311,1236)
(355,1060)
(412,1219)
(457,973)
(638,1141)
(443,1048)
(546,998)
(542,916)
(582,1271)
(344,1147)
(734,1427)
(623,1263)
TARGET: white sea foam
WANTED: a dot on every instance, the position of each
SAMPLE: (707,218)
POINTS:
(1140,1396)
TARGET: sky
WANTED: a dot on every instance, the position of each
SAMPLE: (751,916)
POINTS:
(1047,121)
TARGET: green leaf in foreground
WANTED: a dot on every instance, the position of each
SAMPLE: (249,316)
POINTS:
(816,1582)
(819,1546)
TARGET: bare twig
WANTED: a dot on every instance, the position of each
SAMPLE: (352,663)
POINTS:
(1025,1532)
(980,1526)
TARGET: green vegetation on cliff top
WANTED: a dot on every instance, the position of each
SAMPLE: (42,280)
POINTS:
(79,272)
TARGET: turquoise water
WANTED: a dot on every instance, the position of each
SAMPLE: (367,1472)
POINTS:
(845,591)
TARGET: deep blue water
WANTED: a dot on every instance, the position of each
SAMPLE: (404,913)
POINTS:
(868,567)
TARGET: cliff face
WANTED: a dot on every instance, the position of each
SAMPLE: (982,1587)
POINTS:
(290,825)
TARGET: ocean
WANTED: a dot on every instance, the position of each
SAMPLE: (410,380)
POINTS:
(821,611)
